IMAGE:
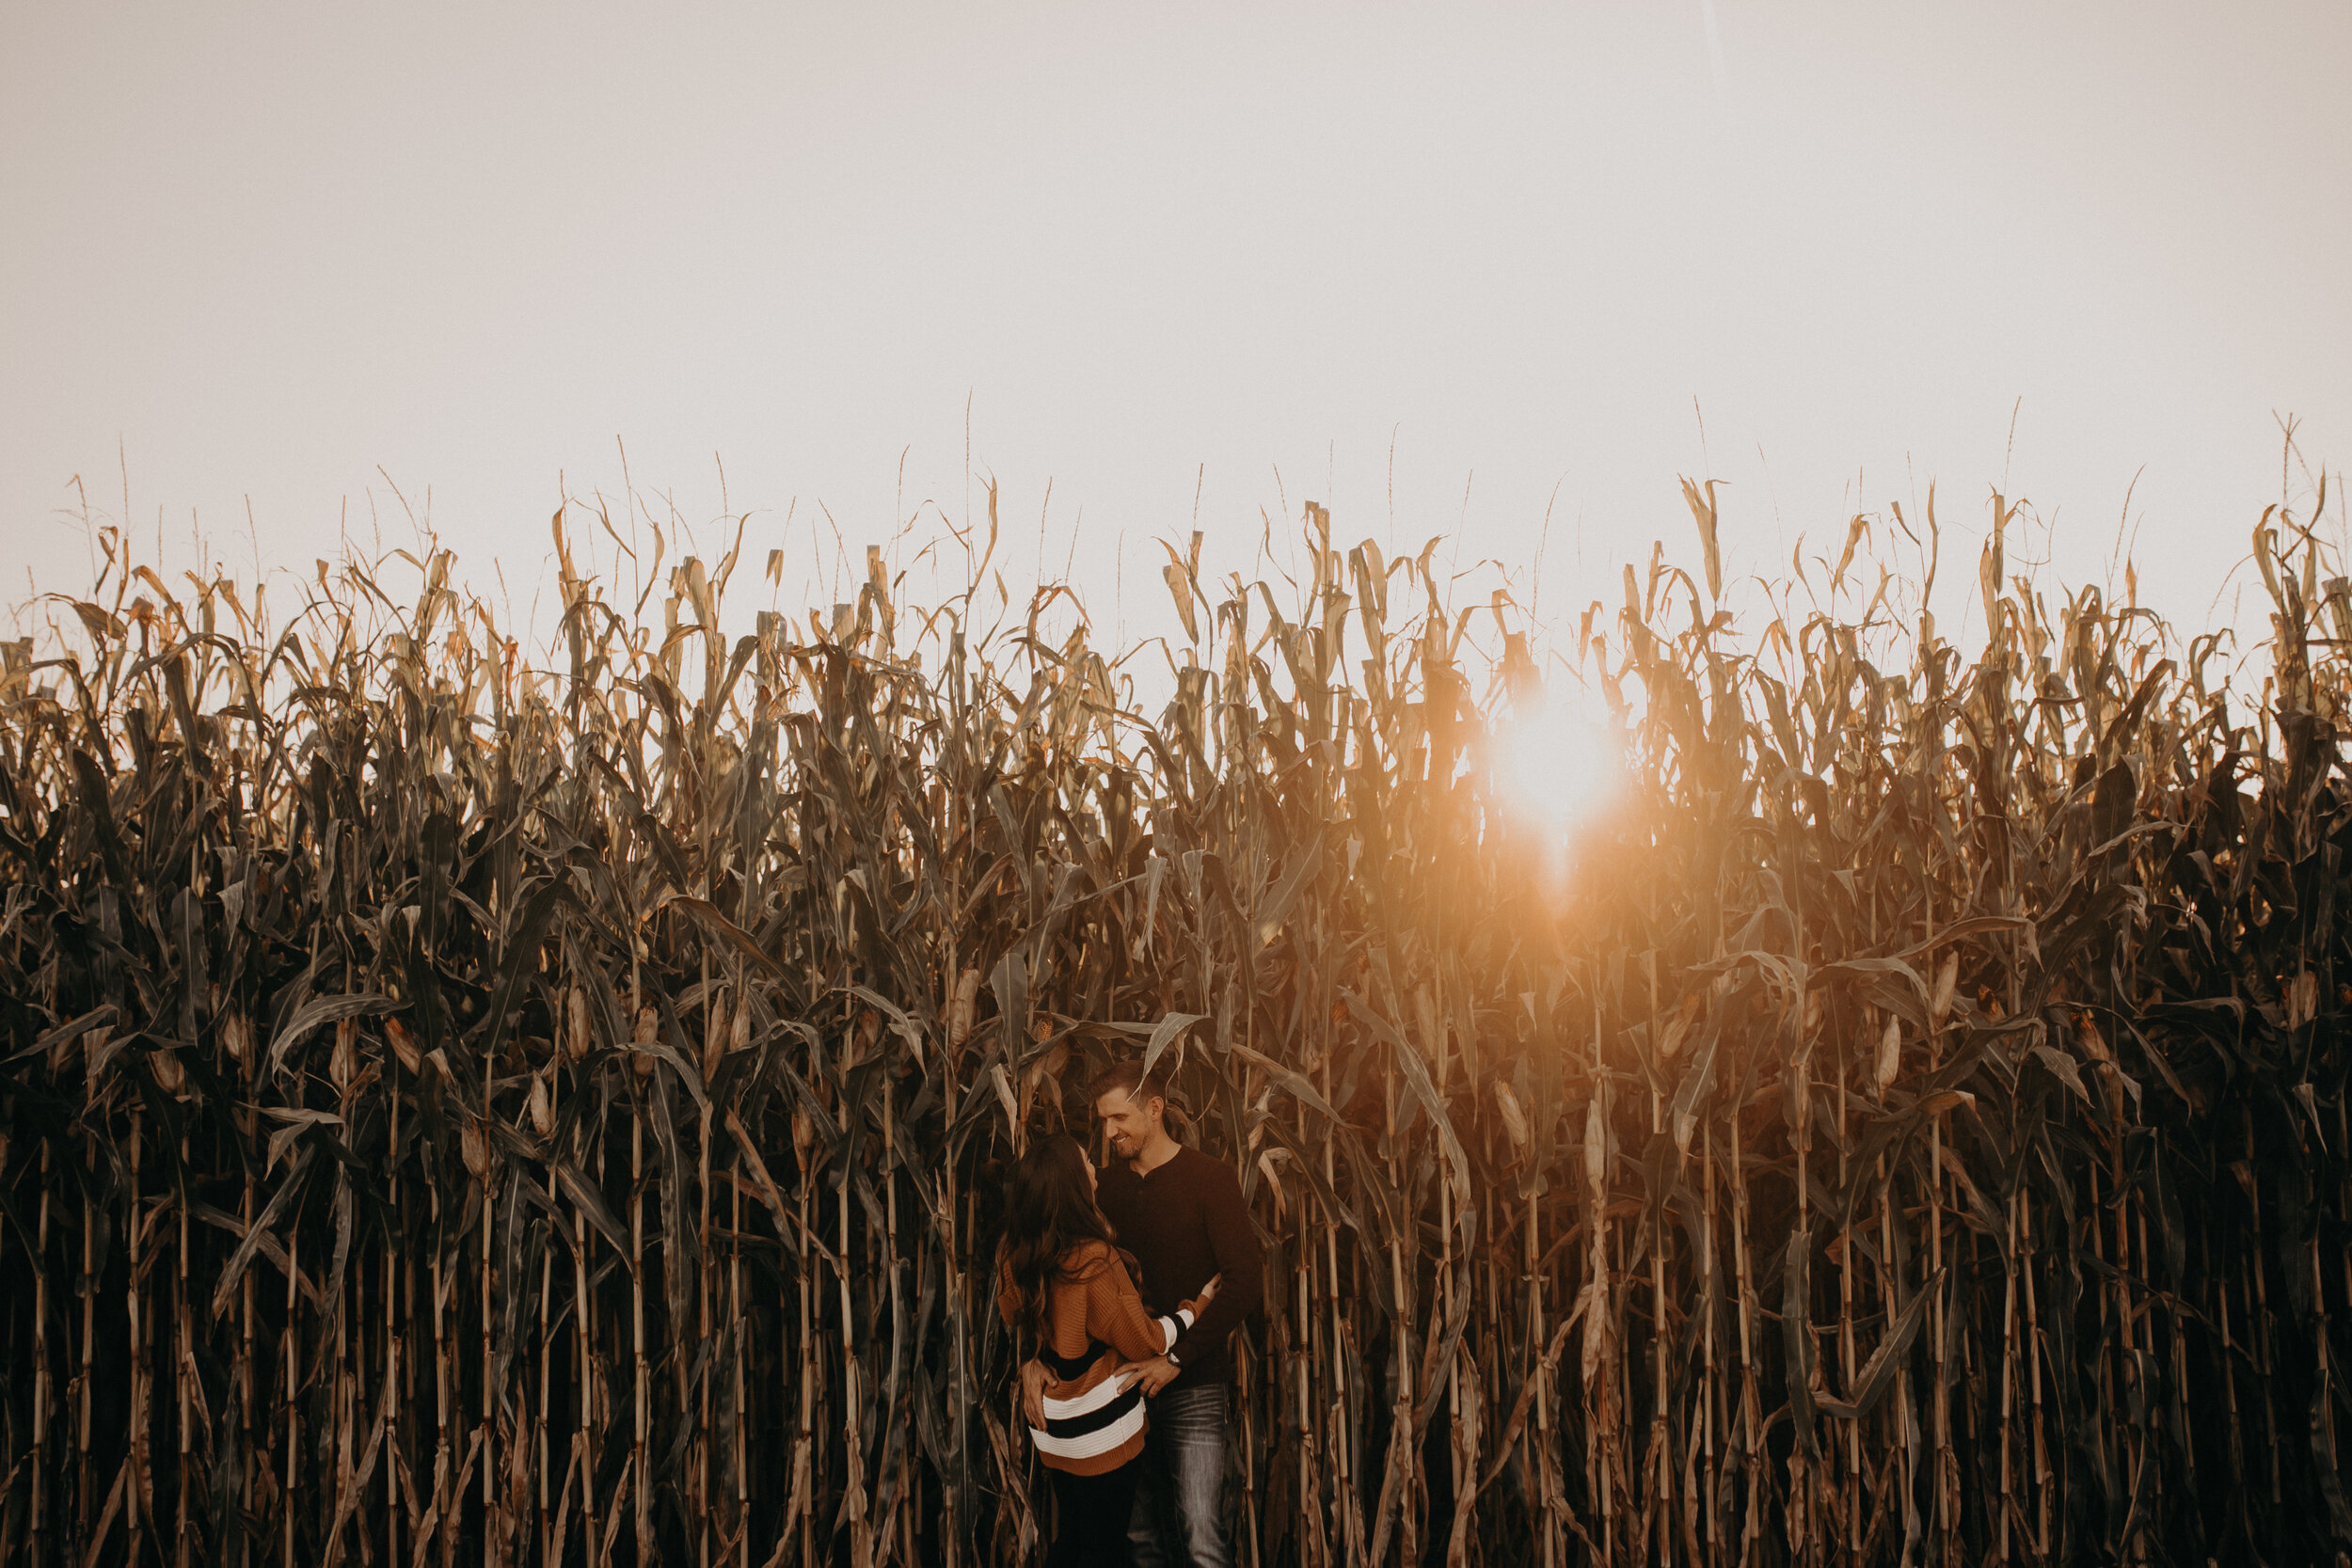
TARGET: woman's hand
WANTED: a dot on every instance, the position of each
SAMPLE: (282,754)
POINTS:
(1156,1375)
(1208,1291)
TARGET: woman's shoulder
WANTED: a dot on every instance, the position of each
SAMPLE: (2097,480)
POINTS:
(1086,1260)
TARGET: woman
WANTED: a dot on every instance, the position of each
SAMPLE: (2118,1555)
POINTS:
(1067,1285)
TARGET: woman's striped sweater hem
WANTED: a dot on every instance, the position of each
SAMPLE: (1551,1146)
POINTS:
(1096,1422)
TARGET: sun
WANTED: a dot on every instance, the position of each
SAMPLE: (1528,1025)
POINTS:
(1560,765)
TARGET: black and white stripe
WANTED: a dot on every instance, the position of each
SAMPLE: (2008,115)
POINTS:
(1104,1417)
(1094,1422)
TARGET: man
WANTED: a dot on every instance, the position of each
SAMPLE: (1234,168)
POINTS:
(1180,1213)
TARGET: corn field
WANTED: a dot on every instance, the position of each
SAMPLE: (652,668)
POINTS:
(461,1109)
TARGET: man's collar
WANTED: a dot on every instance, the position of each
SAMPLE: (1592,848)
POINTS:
(1136,1165)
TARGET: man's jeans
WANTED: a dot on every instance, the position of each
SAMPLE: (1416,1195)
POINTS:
(1179,1513)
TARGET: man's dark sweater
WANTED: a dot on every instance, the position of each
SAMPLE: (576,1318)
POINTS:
(1185,1223)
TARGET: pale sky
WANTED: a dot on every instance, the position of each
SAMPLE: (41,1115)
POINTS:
(1440,267)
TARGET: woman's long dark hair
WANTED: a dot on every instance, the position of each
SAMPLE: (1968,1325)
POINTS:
(1049,1210)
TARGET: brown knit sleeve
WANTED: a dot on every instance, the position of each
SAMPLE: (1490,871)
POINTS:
(1009,1298)
(1116,1315)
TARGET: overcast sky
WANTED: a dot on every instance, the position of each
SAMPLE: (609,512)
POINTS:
(1445,268)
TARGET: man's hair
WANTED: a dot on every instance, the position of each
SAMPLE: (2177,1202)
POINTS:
(1128,1078)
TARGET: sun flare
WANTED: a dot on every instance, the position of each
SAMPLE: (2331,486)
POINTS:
(1562,765)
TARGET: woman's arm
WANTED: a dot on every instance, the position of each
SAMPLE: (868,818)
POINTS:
(1160,1372)
(1116,1315)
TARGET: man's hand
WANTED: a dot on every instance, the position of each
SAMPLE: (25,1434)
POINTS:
(1156,1375)
(1033,1393)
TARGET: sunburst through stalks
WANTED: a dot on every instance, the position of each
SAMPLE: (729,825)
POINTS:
(1563,767)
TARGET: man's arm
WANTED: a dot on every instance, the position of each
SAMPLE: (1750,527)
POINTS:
(1032,1372)
(1240,1261)
(1033,1393)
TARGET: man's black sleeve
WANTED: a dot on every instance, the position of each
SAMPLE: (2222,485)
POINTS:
(1240,1261)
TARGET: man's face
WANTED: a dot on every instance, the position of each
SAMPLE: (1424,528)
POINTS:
(1127,1121)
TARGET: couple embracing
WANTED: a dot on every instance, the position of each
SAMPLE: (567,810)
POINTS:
(1130,1281)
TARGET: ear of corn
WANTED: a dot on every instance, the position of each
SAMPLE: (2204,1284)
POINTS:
(458,1111)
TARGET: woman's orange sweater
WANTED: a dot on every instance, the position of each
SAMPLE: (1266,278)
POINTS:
(1094,1324)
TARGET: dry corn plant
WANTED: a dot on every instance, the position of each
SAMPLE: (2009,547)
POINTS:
(463,1111)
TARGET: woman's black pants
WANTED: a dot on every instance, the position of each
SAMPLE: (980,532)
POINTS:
(1095,1511)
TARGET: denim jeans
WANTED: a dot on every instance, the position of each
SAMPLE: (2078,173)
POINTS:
(1178,1515)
